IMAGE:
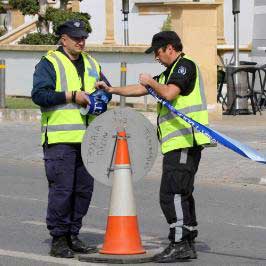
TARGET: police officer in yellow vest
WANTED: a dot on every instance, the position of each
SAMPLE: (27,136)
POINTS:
(181,145)
(63,82)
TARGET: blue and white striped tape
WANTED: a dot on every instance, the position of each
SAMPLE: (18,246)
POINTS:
(214,136)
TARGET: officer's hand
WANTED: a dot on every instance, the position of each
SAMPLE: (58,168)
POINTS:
(102,85)
(82,98)
(144,79)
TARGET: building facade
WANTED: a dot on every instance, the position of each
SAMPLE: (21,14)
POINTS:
(205,27)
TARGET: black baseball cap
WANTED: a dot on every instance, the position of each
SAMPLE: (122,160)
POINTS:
(162,39)
(73,28)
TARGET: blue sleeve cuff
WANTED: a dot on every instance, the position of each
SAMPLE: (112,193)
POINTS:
(60,97)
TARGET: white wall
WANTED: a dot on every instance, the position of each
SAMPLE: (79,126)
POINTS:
(246,18)
(245,21)
(19,79)
(141,28)
(259,33)
(96,8)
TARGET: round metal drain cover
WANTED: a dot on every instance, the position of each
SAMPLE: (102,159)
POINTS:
(98,146)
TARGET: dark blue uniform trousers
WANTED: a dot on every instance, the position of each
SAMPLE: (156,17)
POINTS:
(70,189)
(176,192)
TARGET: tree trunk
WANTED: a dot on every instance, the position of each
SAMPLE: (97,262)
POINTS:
(63,4)
(43,25)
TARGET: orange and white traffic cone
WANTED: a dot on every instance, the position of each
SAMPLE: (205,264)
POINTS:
(122,233)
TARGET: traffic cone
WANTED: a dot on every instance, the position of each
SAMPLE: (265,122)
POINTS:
(122,233)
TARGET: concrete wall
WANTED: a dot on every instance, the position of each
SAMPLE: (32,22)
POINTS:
(20,65)
(19,70)
(21,61)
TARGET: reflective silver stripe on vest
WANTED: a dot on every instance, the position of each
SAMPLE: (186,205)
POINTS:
(93,71)
(67,127)
(190,109)
(69,106)
(62,71)
(202,94)
(178,133)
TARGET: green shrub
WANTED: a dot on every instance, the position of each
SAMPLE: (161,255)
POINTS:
(52,15)
(59,16)
(39,39)
(2,9)
(167,25)
(27,7)
(2,31)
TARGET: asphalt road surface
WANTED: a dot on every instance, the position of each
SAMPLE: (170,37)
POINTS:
(230,203)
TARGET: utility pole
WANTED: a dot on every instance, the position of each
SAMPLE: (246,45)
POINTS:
(236,11)
(123,80)
(44,27)
(2,83)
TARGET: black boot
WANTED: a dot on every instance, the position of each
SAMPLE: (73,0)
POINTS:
(60,248)
(174,252)
(193,254)
(79,246)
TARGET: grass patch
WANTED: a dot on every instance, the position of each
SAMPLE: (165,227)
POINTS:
(13,102)
(20,102)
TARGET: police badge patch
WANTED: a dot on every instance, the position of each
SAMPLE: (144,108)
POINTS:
(182,70)
(77,24)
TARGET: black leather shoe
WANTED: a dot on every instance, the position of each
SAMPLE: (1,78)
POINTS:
(79,246)
(193,253)
(174,252)
(60,248)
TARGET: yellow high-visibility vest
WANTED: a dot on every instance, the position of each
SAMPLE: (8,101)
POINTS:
(174,132)
(64,123)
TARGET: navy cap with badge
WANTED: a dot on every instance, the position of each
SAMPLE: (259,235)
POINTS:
(163,38)
(73,28)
